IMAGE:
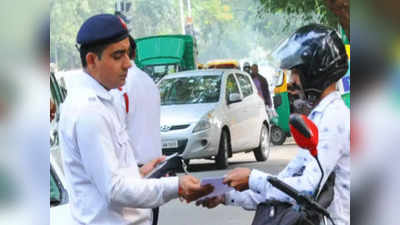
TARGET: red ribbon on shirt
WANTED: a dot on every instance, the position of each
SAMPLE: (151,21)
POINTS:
(126,100)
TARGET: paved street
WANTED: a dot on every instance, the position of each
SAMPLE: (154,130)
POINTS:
(177,213)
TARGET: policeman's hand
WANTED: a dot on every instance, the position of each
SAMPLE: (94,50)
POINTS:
(211,202)
(147,168)
(190,188)
(238,179)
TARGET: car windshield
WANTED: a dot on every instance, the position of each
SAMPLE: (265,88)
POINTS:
(159,71)
(190,90)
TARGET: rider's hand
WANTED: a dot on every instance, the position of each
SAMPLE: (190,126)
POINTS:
(238,179)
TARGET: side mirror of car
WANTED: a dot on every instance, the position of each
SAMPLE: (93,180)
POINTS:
(233,98)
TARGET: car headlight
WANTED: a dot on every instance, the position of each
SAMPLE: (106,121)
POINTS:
(203,124)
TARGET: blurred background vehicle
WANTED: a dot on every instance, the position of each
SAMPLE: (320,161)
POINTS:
(60,213)
(164,54)
(59,209)
(280,124)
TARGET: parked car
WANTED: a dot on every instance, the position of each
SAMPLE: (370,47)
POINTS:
(60,212)
(212,114)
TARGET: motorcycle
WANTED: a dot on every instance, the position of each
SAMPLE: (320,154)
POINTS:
(309,210)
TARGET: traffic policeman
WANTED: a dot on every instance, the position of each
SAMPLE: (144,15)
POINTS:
(103,179)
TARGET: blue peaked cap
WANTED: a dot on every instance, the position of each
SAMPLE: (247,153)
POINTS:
(102,29)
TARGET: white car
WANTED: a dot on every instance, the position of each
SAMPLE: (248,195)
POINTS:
(212,114)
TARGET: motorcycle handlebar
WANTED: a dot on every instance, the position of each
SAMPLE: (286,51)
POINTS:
(301,199)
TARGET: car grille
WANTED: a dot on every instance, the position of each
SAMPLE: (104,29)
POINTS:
(166,128)
(181,147)
(179,127)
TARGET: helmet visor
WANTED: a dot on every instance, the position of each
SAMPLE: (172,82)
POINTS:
(289,54)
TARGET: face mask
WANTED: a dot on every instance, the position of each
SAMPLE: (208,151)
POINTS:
(300,103)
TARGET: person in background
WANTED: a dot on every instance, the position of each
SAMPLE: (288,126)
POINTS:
(52,110)
(262,85)
(246,67)
(138,102)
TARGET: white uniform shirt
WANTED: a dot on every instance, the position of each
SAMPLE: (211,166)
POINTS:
(332,118)
(102,177)
(143,118)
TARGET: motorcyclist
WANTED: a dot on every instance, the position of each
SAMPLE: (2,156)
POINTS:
(317,58)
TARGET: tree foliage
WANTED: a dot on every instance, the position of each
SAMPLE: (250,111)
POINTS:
(331,12)
(148,18)
(224,28)
(235,29)
(66,18)
(306,8)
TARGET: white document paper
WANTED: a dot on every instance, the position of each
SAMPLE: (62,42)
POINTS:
(219,187)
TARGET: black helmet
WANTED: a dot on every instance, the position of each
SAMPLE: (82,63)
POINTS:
(318,54)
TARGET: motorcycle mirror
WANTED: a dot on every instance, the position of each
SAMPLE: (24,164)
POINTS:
(304,132)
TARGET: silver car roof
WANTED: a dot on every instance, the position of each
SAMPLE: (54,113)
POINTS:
(194,73)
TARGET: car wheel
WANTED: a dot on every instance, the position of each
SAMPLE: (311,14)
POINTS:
(221,160)
(277,135)
(186,161)
(261,153)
